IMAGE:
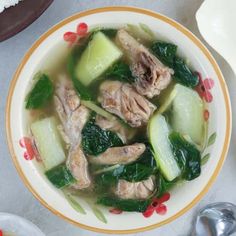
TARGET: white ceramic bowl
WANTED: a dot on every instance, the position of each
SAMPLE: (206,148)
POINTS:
(18,226)
(215,22)
(183,197)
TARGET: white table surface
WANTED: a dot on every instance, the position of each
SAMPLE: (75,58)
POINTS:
(15,198)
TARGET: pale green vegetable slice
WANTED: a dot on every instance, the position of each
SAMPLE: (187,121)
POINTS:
(187,113)
(99,55)
(158,132)
(48,142)
(168,102)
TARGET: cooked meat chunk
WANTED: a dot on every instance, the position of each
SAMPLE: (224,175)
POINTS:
(135,190)
(78,166)
(72,114)
(122,100)
(119,155)
(125,133)
(152,76)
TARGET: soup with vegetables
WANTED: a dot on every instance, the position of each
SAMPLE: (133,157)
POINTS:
(122,123)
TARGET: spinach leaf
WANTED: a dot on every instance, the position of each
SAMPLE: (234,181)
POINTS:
(187,156)
(72,60)
(165,52)
(109,178)
(183,74)
(60,176)
(144,167)
(109,32)
(163,185)
(96,140)
(147,158)
(41,93)
(82,91)
(120,71)
(134,172)
(125,204)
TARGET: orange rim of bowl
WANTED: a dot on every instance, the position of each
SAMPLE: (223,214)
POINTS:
(180,28)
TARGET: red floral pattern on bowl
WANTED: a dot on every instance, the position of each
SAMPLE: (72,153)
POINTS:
(73,37)
(157,206)
(203,88)
(31,151)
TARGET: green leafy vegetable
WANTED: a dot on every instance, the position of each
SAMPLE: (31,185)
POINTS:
(111,33)
(96,140)
(125,204)
(83,92)
(144,167)
(166,52)
(147,158)
(187,156)
(183,74)
(60,176)
(134,172)
(41,93)
(120,71)
(164,185)
(109,178)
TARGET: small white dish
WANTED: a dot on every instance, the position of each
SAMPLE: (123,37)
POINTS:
(18,226)
(216,22)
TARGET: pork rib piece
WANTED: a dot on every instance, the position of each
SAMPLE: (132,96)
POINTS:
(119,155)
(73,117)
(72,114)
(135,190)
(125,133)
(122,100)
(78,166)
(151,75)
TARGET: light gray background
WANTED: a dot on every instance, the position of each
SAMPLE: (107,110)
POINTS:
(15,198)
